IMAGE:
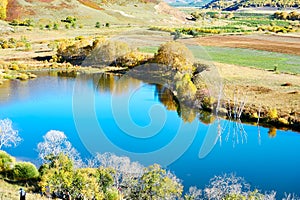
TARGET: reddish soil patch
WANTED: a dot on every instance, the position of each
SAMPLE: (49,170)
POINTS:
(274,43)
(14,10)
(90,4)
(45,1)
(164,8)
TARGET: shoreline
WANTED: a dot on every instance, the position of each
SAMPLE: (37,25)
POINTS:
(250,113)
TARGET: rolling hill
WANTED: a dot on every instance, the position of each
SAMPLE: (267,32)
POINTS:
(91,11)
(230,5)
(192,3)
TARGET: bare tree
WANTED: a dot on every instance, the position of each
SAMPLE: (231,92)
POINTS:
(220,186)
(127,172)
(8,136)
(56,142)
(290,197)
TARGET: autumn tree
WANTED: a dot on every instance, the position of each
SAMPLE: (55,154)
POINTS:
(8,136)
(106,53)
(3,5)
(175,55)
(57,174)
(85,183)
(185,88)
(156,183)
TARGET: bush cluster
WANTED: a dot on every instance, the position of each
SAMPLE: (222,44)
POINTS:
(278,29)
(26,22)
(14,43)
(284,15)
(16,171)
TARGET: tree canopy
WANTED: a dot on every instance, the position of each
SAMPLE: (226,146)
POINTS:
(175,55)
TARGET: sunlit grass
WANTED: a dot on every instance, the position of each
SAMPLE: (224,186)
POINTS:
(243,57)
(249,58)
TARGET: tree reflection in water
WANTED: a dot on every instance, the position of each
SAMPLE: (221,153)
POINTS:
(169,100)
(230,130)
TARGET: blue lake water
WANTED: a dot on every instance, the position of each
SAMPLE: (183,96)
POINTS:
(107,113)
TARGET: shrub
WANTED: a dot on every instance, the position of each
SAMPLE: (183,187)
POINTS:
(67,26)
(6,162)
(107,53)
(3,5)
(55,26)
(131,59)
(98,25)
(272,114)
(48,26)
(69,19)
(24,171)
(73,24)
(28,46)
(26,22)
(283,121)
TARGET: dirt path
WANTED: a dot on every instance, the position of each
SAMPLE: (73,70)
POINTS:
(273,43)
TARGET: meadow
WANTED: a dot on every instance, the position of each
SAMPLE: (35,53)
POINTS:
(243,57)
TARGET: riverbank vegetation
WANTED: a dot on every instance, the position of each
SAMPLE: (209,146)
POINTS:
(111,178)
(105,176)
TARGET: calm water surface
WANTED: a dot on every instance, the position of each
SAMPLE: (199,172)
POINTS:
(266,158)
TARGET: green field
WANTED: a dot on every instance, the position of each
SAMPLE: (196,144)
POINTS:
(243,57)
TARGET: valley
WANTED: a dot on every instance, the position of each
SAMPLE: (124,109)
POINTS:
(214,65)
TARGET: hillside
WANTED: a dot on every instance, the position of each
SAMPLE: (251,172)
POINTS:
(238,4)
(90,11)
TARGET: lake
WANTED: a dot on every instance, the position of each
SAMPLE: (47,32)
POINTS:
(126,116)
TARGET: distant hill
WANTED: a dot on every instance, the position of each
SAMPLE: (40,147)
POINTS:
(237,4)
(91,11)
(190,3)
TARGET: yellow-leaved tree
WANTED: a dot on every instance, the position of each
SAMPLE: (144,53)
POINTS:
(3,5)
(176,55)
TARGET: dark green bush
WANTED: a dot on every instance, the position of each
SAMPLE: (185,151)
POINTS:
(98,25)
(69,19)
(24,171)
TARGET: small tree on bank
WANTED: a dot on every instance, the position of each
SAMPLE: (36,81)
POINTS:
(3,5)
(175,55)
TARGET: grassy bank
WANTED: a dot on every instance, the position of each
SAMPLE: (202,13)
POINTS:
(243,57)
